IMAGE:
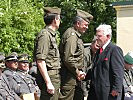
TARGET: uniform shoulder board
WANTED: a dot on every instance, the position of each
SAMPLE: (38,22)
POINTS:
(72,33)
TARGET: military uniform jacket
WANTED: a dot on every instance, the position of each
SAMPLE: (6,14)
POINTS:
(108,72)
(46,49)
(87,69)
(128,80)
(87,59)
(20,83)
(27,82)
(72,51)
(6,93)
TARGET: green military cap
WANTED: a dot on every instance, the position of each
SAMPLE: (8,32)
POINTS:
(129,58)
(12,57)
(23,58)
(52,10)
(2,58)
(85,15)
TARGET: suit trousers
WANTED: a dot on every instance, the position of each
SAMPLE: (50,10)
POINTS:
(93,96)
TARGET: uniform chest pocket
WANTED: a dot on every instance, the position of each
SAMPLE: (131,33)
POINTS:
(53,50)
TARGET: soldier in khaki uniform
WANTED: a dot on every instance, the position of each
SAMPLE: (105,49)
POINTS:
(47,55)
(72,56)
(6,93)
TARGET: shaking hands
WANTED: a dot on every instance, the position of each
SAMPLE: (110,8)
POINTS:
(81,75)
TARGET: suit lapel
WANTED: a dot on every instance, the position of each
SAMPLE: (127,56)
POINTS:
(103,55)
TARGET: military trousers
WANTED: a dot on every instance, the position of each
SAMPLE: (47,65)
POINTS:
(67,92)
(55,79)
(79,93)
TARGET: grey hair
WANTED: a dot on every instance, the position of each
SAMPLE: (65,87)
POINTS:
(106,28)
(76,19)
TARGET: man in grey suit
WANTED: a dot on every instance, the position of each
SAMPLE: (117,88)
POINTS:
(6,93)
(108,68)
(28,83)
(19,79)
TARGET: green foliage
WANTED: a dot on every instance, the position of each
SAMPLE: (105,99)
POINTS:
(100,9)
(21,20)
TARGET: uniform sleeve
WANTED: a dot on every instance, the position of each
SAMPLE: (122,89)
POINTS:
(69,54)
(117,66)
(42,46)
(87,59)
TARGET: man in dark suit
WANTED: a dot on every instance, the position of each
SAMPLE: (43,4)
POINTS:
(108,68)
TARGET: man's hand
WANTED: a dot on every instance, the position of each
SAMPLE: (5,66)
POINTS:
(81,75)
(50,88)
(114,93)
(131,87)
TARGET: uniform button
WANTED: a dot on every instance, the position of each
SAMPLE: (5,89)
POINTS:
(29,85)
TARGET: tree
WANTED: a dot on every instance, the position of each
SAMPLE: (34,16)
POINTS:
(21,20)
(102,11)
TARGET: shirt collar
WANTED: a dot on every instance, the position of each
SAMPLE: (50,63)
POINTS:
(11,69)
(105,45)
(77,33)
(53,33)
(22,71)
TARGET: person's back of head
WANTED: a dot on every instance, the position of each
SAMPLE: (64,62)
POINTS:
(50,14)
(94,45)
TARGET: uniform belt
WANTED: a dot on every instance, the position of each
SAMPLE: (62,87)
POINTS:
(53,72)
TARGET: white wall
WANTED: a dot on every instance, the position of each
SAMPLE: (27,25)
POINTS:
(125,27)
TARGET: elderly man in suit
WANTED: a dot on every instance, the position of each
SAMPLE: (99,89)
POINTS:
(108,68)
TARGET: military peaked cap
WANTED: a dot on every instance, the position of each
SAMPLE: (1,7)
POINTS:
(129,57)
(52,10)
(12,57)
(85,15)
(23,58)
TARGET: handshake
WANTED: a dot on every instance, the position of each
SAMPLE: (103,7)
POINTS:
(81,75)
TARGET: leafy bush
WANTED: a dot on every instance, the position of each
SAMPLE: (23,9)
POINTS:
(21,20)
